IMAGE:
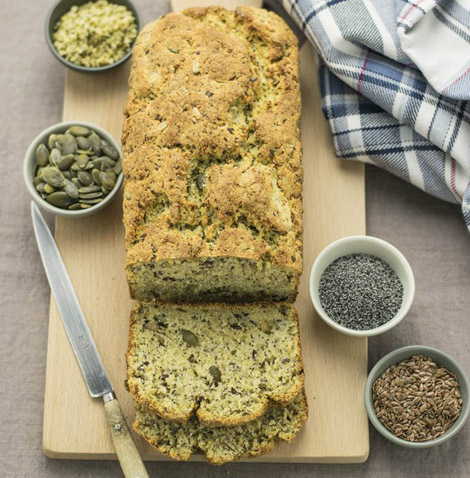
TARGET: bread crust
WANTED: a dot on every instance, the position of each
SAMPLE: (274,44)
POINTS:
(211,139)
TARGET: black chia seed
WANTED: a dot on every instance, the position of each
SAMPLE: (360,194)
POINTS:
(360,291)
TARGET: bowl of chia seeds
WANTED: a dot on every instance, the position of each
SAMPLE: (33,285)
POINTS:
(361,286)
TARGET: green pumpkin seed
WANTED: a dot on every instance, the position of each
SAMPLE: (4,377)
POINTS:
(111,152)
(37,180)
(48,189)
(88,152)
(91,195)
(112,175)
(84,206)
(66,161)
(70,145)
(95,143)
(76,182)
(41,187)
(60,138)
(90,201)
(82,161)
(95,174)
(105,167)
(74,207)
(67,174)
(51,141)
(104,159)
(85,178)
(200,182)
(89,166)
(79,131)
(107,180)
(216,374)
(54,157)
(83,143)
(89,189)
(53,176)
(71,189)
(118,168)
(189,337)
(105,191)
(42,155)
(59,199)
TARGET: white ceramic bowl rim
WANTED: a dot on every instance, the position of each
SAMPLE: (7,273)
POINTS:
(410,350)
(386,246)
(28,167)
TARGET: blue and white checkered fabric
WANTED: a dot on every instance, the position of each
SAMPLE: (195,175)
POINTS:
(395,80)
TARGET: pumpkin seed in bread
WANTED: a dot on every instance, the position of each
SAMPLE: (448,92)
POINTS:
(223,363)
(223,444)
(212,159)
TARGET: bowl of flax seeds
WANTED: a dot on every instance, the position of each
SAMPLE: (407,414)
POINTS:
(417,396)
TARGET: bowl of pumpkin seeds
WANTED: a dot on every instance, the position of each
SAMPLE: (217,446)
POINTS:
(73,169)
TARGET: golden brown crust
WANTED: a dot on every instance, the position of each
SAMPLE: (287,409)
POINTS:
(152,404)
(211,139)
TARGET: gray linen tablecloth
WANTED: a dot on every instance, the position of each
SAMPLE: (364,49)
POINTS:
(429,232)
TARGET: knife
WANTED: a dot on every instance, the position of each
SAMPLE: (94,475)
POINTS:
(84,347)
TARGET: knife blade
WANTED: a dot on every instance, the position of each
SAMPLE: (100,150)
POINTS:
(84,347)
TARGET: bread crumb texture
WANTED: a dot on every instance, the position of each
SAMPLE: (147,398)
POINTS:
(212,158)
(223,444)
(224,365)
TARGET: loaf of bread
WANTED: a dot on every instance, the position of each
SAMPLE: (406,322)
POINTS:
(225,364)
(223,444)
(212,159)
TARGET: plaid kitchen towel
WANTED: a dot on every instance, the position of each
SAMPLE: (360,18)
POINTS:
(395,80)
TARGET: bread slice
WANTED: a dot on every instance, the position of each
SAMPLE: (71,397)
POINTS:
(225,364)
(223,444)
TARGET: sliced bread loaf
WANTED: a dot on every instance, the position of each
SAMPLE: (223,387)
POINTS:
(222,444)
(212,159)
(223,363)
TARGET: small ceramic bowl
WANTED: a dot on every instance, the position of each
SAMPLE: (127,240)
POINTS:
(440,358)
(367,245)
(62,7)
(30,163)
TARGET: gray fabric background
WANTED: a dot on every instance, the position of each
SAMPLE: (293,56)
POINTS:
(430,233)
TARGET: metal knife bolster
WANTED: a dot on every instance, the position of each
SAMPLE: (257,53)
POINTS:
(72,316)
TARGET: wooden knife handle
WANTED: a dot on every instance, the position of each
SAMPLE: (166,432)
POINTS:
(129,458)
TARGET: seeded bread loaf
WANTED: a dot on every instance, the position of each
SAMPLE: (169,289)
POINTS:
(212,159)
(224,364)
(223,444)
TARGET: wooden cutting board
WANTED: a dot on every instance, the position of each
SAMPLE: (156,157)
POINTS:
(93,251)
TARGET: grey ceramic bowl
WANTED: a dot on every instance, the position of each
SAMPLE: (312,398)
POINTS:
(63,6)
(30,163)
(440,358)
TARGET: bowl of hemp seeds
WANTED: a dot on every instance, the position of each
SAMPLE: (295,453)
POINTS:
(417,396)
(361,286)
(73,169)
(92,36)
